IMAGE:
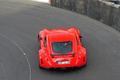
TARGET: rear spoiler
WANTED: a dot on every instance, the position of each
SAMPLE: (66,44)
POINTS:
(62,54)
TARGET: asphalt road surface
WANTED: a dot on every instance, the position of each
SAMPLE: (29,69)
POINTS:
(20,22)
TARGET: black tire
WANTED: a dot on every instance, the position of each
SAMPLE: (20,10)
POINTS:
(38,41)
(38,37)
(85,65)
(40,66)
(81,40)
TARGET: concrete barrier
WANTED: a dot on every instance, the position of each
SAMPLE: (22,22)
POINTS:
(106,12)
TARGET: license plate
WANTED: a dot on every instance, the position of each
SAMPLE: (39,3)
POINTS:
(63,62)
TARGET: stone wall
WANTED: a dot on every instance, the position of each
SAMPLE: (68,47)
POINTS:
(106,12)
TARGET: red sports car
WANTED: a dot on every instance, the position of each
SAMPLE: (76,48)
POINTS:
(61,48)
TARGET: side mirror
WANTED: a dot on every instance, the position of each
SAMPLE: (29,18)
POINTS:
(80,36)
(40,39)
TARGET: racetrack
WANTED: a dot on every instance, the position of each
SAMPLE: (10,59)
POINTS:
(20,22)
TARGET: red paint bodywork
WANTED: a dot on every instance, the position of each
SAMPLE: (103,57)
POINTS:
(46,60)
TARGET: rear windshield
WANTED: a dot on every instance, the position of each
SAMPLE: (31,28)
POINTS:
(62,47)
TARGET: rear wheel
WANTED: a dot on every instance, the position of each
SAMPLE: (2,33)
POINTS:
(40,66)
(81,40)
(38,37)
(85,65)
(39,41)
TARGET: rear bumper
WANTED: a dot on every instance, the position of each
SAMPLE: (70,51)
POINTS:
(75,62)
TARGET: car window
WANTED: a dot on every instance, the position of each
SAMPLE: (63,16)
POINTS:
(62,47)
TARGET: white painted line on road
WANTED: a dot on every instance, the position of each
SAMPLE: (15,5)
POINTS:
(22,52)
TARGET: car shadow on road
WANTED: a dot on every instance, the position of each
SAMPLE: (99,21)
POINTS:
(64,70)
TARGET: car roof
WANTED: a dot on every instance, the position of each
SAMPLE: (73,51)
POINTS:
(59,35)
